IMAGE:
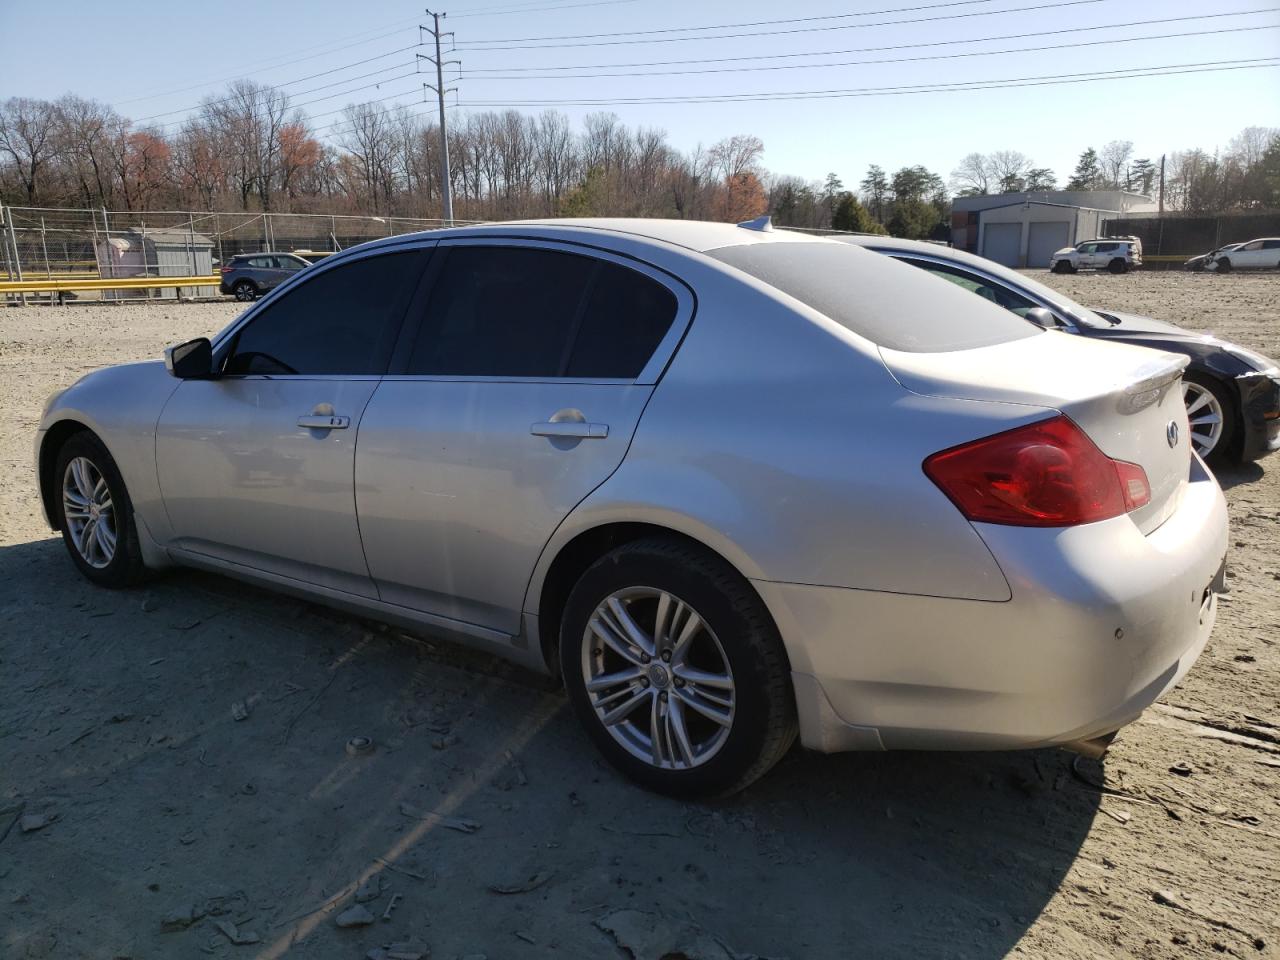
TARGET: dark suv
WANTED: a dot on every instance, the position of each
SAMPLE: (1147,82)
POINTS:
(250,275)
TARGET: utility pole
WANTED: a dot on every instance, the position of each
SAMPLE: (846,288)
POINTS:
(446,187)
(1161,213)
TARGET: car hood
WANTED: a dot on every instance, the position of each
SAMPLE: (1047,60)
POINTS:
(1064,250)
(1134,324)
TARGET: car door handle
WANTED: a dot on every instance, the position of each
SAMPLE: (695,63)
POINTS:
(576,429)
(324,422)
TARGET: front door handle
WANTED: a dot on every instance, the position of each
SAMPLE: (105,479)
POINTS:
(576,429)
(324,422)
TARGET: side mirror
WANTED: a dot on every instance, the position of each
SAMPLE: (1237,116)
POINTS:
(1043,318)
(192,360)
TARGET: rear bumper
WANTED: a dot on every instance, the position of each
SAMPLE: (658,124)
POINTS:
(1260,415)
(1102,621)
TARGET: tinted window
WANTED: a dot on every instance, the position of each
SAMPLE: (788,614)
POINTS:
(1271,244)
(889,303)
(627,315)
(1256,245)
(340,321)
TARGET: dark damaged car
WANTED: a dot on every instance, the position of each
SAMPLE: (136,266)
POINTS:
(1232,393)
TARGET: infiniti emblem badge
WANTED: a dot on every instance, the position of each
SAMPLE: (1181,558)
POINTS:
(658,676)
(1171,433)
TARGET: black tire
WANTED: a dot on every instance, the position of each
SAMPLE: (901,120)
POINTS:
(1224,265)
(1227,449)
(125,568)
(245,291)
(1118,265)
(764,724)
(1061,266)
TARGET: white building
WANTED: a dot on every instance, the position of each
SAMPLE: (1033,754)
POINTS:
(1024,229)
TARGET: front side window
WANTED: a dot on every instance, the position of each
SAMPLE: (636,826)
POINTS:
(987,289)
(340,322)
(508,311)
(1256,245)
(1088,247)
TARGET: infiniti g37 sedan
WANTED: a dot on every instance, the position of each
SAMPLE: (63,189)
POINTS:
(731,484)
(1232,393)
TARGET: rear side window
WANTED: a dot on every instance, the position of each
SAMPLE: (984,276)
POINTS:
(627,315)
(529,312)
(891,304)
(342,321)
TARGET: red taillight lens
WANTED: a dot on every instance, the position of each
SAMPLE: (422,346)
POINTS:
(225,269)
(1046,474)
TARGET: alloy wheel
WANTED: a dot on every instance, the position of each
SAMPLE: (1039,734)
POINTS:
(1204,414)
(89,513)
(658,678)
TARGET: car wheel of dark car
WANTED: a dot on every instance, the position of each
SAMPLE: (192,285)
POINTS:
(1118,266)
(245,291)
(96,514)
(676,669)
(1210,415)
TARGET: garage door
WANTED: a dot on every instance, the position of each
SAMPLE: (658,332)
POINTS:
(1044,239)
(1002,243)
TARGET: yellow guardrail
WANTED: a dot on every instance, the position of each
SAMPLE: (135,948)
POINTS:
(104,283)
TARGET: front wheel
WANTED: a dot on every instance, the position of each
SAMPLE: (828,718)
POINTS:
(96,513)
(1062,266)
(1224,265)
(675,668)
(1210,415)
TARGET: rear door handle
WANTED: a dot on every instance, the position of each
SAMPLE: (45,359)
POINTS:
(576,429)
(324,422)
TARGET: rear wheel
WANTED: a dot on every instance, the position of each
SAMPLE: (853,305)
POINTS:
(245,291)
(1118,265)
(676,670)
(96,514)
(1210,415)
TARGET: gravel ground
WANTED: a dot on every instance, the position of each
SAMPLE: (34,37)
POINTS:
(176,827)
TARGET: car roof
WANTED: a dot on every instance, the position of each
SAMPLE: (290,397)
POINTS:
(697,235)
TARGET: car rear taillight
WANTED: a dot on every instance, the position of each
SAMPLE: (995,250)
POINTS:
(225,269)
(1046,474)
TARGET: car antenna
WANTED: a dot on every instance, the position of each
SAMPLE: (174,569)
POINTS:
(763,224)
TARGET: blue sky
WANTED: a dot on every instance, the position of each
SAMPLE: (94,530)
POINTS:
(157,60)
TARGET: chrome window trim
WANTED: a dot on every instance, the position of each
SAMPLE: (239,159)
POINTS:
(1068,323)
(686,307)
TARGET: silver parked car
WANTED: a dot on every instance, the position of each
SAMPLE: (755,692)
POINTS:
(731,483)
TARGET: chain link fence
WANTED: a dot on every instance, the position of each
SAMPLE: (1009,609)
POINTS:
(58,243)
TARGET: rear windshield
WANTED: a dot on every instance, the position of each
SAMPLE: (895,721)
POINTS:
(891,304)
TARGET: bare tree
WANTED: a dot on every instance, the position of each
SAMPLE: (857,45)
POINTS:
(26,135)
(973,176)
(1114,160)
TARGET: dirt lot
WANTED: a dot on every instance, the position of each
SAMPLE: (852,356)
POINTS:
(172,817)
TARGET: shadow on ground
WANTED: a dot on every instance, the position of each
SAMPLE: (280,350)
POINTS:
(117,716)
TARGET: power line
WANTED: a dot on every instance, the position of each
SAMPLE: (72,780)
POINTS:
(1210,66)
(745,23)
(774,33)
(494,12)
(300,93)
(882,60)
(329,48)
(880,49)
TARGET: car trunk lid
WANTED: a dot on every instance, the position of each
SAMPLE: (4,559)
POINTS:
(1127,399)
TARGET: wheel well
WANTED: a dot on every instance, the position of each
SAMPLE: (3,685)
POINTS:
(573,560)
(58,434)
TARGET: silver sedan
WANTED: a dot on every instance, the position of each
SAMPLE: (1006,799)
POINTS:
(730,483)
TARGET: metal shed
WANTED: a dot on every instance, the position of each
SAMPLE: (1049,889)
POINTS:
(146,251)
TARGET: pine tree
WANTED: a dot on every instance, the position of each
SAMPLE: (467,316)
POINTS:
(1088,173)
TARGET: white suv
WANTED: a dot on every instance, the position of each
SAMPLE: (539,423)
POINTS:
(1116,254)
(1261,254)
